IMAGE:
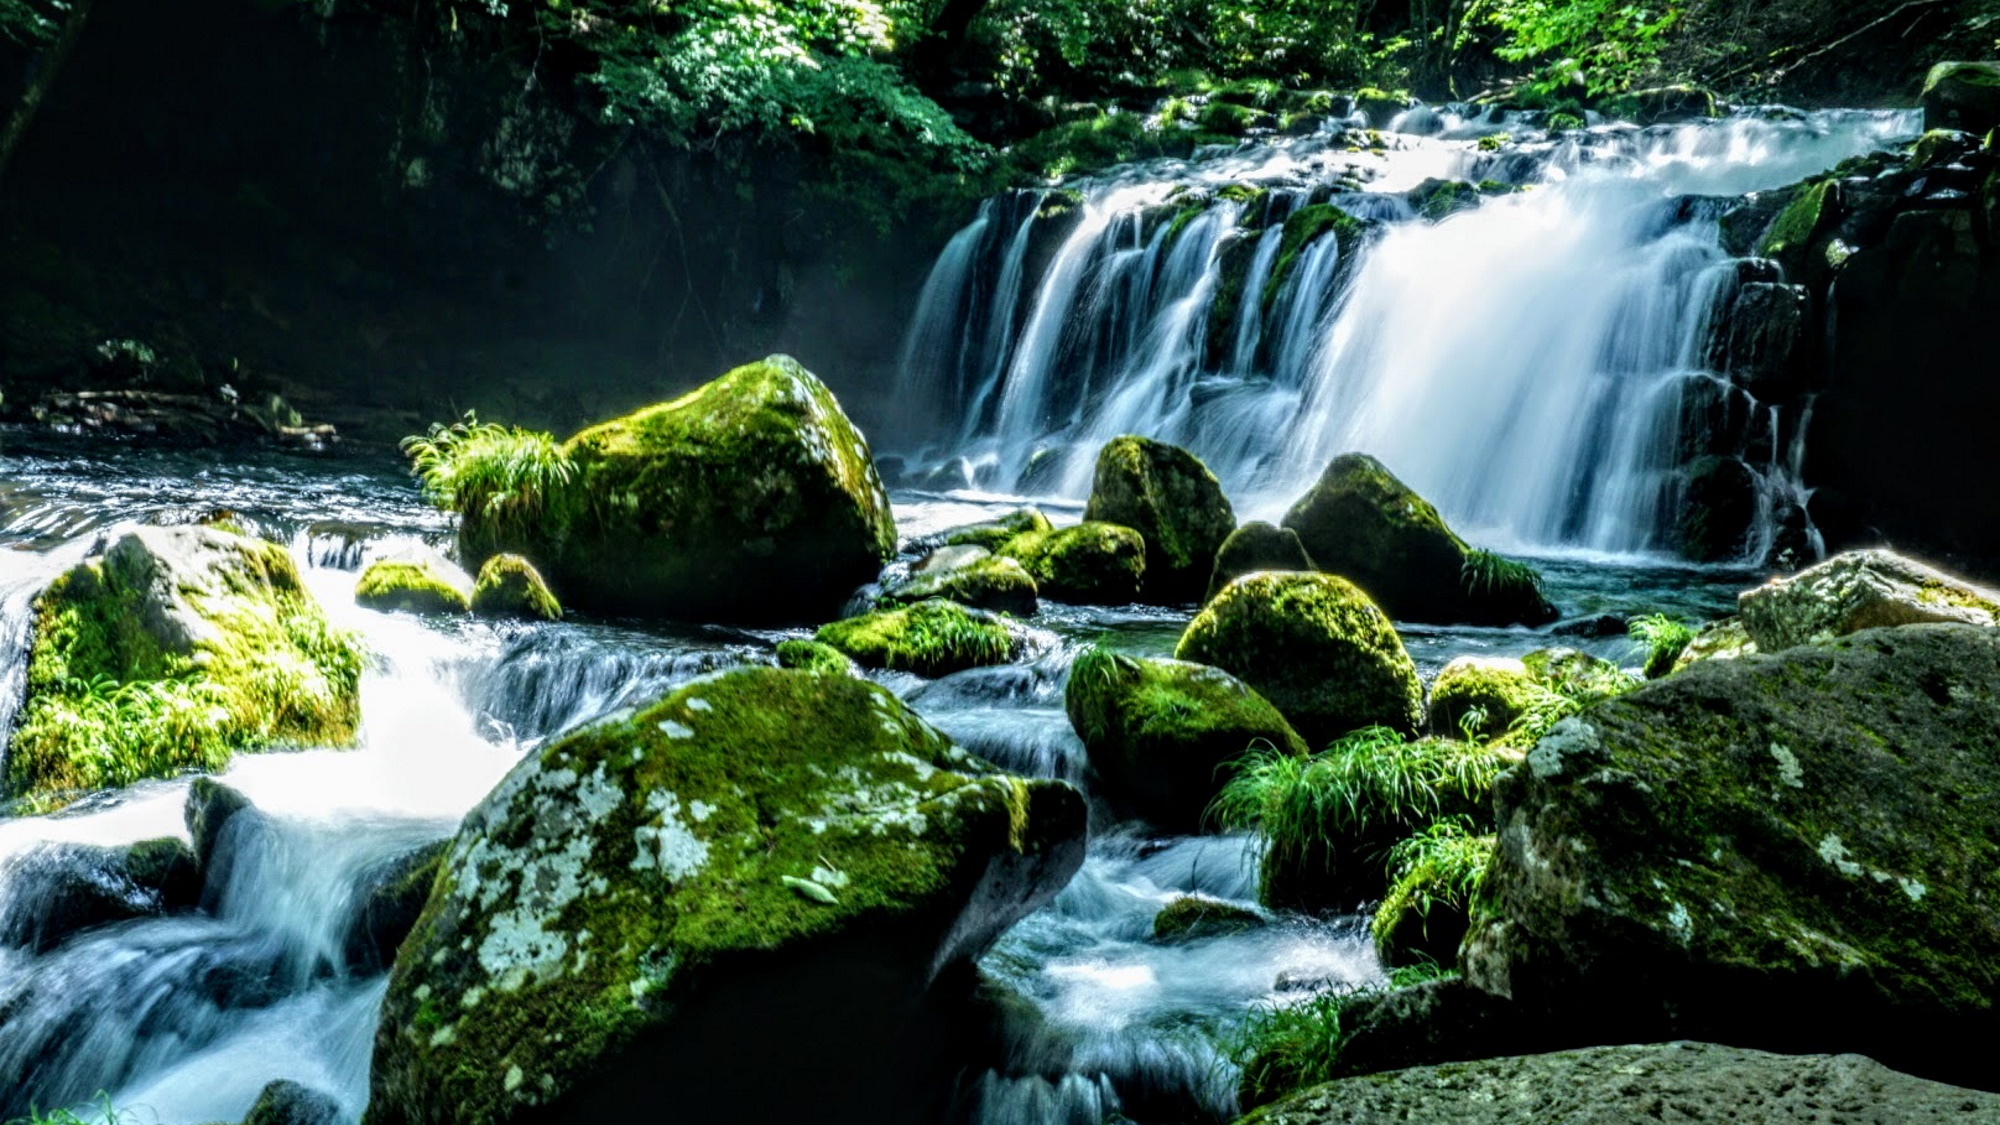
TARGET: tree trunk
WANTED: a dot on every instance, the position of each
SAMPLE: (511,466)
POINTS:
(38,88)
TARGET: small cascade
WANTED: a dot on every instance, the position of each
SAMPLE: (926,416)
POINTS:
(1510,332)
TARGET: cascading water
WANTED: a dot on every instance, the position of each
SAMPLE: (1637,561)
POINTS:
(1521,363)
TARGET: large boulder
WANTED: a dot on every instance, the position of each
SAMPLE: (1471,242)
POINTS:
(1363,524)
(751,498)
(1253,547)
(1855,591)
(1169,497)
(1799,852)
(1159,732)
(1315,646)
(1088,564)
(1684,1083)
(934,638)
(1963,96)
(746,902)
(176,647)
(1479,696)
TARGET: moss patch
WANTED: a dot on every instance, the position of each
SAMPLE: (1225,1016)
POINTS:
(1190,917)
(408,587)
(1173,501)
(510,586)
(813,656)
(1089,564)
(932,638)
(1303,227)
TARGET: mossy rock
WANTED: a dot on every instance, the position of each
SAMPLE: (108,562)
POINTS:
(933,638)
(765,864)
(1667,105)
(1253,547)
(1483,692)
(1088,564)
(1315,646)
(1798,849)
(1962,95)
(1192,917)
(510,586)
(1438,200)
(1792,234)
(1424,917)
(1174,502)
(750,499)
(1231,120)
(1577,674)
(407,586)
(1159,732)
(1306,226)
(1859,590)
(176,648)
(813,656)
(1726,639)
(285,1102)
(972,577)
(994,534)
(1360,522)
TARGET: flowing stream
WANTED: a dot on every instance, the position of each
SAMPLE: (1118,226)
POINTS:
(1521,364)
(183,1018)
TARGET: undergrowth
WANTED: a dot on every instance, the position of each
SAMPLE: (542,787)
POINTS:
(1664,638)
(501,480)
(1442,866)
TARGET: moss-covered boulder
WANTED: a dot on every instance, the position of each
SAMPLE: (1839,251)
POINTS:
(510,586)
(1859,590)
(970,576)
(1192,917)
(409,586)
(1363,524)
(994,534)
(813,656)
(285,1102)
(1159,732)
(1253,547)
(175,648)
(1687,1083)
(1169,497)
(1315,646)
(1479,696)
(1963,96)
(1089,564)
(1800,849)
(751,498)
(753,901)
(934,638)
(58,890)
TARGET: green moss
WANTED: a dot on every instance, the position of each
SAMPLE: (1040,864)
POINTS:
(1173,501)
(1566,122)
(1158,731)
(629,868)
(409,587)
(1231,119)
(1088,564)
(1424,916)
(1440,199)
(1079,147)
(1479,698)
(995,534)
(1798,224)
(1189,917)
(120,688)
(1315,646)
(813,656)
(1494,142)
(1260,93)
(510,586)
(993,583)
(1303,227)
(932,638)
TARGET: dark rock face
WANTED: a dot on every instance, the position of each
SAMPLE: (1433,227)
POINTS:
(1683,1083)
(1796,852)
(1962,95)
(1253,547)
(63,889)
(287,1103)
(392,895)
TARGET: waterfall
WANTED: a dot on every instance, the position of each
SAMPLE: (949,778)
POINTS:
(1519,362)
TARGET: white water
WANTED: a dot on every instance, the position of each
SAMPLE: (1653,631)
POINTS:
(1520,364)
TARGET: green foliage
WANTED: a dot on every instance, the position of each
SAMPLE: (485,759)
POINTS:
(1485,574)
(500,479)
(933,638)
(1547,704)
(1442,866)
(32,23)
(1288,1047)
(1664,638)
(1370,782)
(1603,46)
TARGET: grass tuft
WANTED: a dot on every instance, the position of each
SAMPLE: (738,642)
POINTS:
(1664,638)
(499,479)
(1440,867)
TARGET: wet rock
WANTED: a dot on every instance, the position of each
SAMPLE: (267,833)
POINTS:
(1718,640)
(768,873)
(1596,625)
(216,816)
(1479,697)
(1859,590)
(285,1102)
(972,577)
(1315,646)
(934,638)
(1962,95)
(994,534)
(392,895)
(1668,105)
(409,586)
(1793,851)
(510,586)
(176,647)
(1718,510)
(58,890)
(1363,524)
(1687,1083)
(751,499)
(1170,498)
(1089,564)
(1758,337)
(1159,732)
(1192,917)
(169,418)
(1253,547)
